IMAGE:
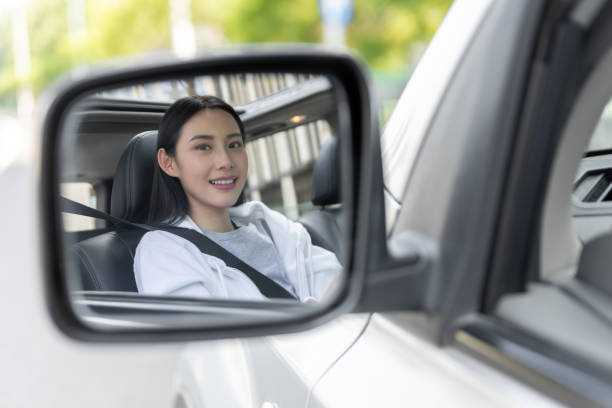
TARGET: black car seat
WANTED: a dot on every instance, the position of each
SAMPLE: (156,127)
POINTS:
(326,225)
(105,262)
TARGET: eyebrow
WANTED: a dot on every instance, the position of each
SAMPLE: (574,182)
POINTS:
(209,137)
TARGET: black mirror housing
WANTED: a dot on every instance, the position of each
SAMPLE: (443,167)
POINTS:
(360,162)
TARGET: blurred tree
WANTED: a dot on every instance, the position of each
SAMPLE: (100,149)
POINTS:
(7,77)
(383,32)
(117,28)
(114,28)
(262,20)
(49,50)
(389,34)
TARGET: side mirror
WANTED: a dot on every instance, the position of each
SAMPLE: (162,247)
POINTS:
(293,105)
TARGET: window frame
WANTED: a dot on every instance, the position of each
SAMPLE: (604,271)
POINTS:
(564,58)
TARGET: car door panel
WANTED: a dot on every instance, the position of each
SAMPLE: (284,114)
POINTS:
(250,372)
(394,364)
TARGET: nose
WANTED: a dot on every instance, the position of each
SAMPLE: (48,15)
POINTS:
(223,160)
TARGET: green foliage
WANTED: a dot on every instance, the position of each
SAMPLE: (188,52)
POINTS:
(7,77)
(47,30)
(126,28)
(276,21)
(383,31)
(114,28)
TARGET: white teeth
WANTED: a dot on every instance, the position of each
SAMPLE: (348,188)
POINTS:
(230,181)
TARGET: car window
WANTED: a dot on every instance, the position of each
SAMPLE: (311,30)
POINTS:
(281,176)
(236,89)
(592,196)
(564,314)
(602,137)
(85,194)
(568,304)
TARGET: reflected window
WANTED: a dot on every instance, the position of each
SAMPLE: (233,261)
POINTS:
(82,193)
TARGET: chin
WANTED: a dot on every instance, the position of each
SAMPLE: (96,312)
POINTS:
(226,203)
(224,199)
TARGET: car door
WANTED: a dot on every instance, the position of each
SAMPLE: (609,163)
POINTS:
(502,103)
(277,371)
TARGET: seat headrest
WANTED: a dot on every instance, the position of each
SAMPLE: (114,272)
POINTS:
(326,175)
(134,177)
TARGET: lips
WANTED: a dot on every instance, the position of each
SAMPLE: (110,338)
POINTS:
(224,183)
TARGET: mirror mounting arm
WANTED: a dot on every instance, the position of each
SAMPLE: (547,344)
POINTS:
(405,279)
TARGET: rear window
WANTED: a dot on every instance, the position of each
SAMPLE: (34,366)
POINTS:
(83,193)
(281,166)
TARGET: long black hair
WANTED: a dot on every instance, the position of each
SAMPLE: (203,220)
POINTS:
(169,202)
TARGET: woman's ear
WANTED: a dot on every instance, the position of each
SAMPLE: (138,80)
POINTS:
(167,163)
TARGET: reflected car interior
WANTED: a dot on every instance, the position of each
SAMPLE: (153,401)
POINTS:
(114,144)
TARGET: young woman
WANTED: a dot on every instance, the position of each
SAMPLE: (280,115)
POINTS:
(200,173)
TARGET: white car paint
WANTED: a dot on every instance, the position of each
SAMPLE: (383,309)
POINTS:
(278,370)
(394,364)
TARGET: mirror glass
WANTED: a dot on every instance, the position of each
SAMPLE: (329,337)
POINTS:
(212,197)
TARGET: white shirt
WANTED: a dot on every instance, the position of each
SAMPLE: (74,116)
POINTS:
(166,264)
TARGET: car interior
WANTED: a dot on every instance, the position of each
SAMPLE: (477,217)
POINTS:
(572,289)
(110,144)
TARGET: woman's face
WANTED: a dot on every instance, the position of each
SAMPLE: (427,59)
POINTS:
(210,160)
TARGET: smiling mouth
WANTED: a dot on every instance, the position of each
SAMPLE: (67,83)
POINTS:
(221,182)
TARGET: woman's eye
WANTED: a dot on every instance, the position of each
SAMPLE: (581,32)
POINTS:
(203,147)
(235,145)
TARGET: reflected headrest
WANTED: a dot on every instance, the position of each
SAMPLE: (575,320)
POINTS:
(326,175)
(133,178)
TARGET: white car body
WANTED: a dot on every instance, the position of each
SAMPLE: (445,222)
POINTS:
(357,360)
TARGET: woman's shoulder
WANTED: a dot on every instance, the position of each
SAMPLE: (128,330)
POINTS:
(253,211)
(154,240)
(279,226)
(161,238)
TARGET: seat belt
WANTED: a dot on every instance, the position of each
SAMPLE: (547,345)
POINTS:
(266,286)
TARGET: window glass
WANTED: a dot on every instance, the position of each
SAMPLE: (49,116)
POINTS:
(592,193)
(281,167)
(83,193)
(235,89)
(602,138)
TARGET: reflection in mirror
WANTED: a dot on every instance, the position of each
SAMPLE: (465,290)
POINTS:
(203,193)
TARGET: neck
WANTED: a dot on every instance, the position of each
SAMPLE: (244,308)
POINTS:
(216,220)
